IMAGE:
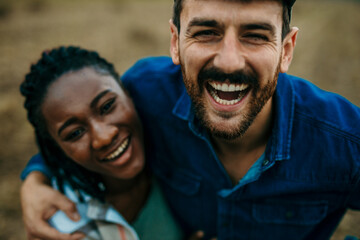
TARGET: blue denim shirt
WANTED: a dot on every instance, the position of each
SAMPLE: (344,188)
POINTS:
(299,189)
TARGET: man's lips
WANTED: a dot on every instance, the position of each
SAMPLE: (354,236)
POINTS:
(227,93)
(117,152)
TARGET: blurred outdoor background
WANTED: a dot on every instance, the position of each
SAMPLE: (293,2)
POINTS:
(328,54)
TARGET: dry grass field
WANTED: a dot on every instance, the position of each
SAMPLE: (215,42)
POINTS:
(328,53)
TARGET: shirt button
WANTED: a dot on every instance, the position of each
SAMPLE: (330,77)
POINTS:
(265,162)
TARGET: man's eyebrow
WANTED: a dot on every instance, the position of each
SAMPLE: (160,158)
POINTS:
(201,22)
(261,26)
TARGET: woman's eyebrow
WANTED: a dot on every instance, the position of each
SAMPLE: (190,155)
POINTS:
(98,97)
(92,105)
(66,124)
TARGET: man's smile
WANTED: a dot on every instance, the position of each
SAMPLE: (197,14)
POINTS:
(227,93)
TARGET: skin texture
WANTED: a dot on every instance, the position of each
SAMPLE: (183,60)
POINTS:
(242,41)
(89,125)
(222,39)
(231,48)
(99,129)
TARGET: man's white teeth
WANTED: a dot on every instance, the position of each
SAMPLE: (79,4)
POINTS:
(223,101)
(118,151)
(228,87)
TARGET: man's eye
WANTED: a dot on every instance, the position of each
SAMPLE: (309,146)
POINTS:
(107,106)
(205,33)
(74,135)
(257,37)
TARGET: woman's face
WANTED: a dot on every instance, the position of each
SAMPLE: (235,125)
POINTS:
(95,123)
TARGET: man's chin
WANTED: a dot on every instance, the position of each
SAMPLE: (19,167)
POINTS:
(229,127)
(226,136)
(221,125)
(229,133)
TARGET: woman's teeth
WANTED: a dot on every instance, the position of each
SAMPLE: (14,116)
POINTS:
(120,150)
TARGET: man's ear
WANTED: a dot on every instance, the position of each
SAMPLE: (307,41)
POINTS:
(289,43)
(174,43)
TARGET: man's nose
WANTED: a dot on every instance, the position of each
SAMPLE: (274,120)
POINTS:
(230,56)
(102,134)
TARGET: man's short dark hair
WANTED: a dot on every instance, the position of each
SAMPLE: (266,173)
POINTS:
(287,5)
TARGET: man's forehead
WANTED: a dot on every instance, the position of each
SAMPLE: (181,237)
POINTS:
(204,3)
(221,9)
(235,1)
(288,3)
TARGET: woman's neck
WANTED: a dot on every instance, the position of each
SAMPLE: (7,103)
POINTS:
(128,196)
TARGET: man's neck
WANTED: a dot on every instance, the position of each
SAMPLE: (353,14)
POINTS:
(240,154)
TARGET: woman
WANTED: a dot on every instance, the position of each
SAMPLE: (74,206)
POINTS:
(90,136)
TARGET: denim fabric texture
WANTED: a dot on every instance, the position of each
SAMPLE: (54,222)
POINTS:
(307,178)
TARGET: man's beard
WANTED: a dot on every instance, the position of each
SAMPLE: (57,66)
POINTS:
(259,97)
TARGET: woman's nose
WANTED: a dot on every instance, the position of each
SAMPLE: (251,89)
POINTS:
(102,134)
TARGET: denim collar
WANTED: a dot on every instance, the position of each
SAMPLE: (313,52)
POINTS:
(279,144)
(183,106)
(284,107)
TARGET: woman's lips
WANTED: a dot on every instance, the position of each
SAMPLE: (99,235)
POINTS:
(118,152)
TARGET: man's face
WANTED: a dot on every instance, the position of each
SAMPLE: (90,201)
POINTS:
(230,53)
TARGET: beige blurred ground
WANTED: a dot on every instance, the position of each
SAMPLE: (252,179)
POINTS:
(328,53)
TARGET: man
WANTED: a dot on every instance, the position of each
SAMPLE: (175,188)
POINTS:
(241,149)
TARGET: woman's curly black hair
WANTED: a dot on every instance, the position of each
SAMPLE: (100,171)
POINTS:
(50,67)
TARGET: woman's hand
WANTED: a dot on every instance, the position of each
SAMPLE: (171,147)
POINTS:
(39,202)
(199,235)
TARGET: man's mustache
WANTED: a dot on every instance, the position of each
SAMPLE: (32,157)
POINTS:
(237,77)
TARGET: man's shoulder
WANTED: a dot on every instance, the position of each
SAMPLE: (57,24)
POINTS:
(155,84)
(151,68)
(324,109)
(323,127)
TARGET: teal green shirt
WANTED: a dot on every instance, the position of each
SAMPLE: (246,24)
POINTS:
(102,221)
(155,220)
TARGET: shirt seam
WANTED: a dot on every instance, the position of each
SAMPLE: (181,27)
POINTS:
(353,192)
(328,127)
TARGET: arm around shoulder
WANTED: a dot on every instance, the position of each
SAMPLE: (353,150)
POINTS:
(39,202)
(36,163)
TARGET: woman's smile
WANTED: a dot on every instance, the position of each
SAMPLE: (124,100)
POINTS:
(118,152)
(97,126)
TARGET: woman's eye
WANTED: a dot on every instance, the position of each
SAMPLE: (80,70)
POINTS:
(107,106)
(74,135)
